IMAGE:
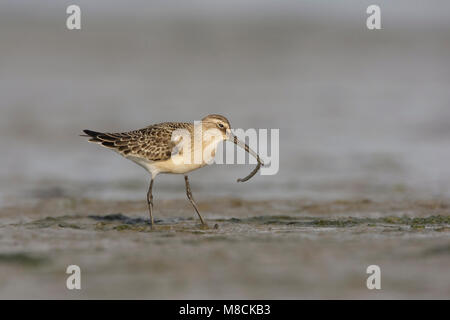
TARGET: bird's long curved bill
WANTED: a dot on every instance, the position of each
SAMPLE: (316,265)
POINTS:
(244,146)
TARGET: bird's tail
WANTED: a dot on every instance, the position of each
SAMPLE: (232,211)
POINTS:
(105,139)
(93,135)
(119,142)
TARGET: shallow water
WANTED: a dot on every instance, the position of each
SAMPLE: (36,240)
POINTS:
(360,113)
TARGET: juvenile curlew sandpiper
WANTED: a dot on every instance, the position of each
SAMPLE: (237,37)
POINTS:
(169,148)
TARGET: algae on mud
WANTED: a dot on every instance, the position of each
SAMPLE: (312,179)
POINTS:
(259,249)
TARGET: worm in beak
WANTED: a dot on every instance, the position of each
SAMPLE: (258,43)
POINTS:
(244,146)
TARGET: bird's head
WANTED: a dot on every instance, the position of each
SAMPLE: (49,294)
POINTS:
(215,121)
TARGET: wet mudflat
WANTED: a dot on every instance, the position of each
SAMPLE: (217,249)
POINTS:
(251,249)
(364,151)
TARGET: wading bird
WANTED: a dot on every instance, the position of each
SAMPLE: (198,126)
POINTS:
(173,147)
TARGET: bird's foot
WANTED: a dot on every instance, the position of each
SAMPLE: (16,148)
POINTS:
(204,226)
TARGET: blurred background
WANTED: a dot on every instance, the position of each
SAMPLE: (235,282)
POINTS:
(364,118)
(359,111)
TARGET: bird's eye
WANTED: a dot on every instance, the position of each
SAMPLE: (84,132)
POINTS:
(220,125)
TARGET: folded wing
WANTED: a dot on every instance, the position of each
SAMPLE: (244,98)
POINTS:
(151,143)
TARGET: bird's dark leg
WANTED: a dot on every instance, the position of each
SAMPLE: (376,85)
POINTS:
(150,202)
(191,199)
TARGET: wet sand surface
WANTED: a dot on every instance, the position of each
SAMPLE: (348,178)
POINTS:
(251,249)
